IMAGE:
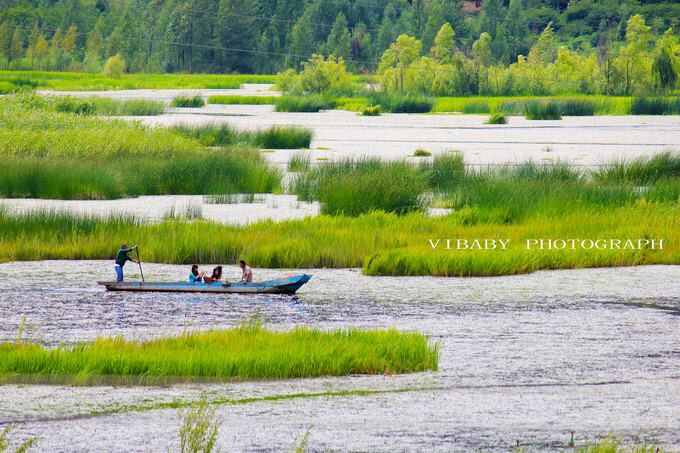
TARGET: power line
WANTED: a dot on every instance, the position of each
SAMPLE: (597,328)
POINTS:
(465,16)
(368,63)
(373,30)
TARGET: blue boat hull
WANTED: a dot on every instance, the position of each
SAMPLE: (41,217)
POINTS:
(288,285)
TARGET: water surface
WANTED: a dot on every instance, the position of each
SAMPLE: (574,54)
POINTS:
(528,358)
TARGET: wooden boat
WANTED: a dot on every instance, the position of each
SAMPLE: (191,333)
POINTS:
(287,285)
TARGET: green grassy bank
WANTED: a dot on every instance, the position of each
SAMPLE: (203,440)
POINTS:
(383,244)
(249,351)
(52,147)
(75,81)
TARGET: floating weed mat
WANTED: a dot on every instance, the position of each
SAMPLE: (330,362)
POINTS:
(249,351)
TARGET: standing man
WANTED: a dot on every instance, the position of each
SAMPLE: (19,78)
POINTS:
(247,276)
(121,258)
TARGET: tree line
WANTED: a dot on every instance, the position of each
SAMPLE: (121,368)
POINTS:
(251,36)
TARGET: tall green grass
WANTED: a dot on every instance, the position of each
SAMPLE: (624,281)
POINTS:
(353,187)
(221,171)
(233,99)
(277,137)
(249,351)
(71,81)
(383,244)
(31,127)
(188,101)
(402,103)
(542,110)
(313,103)
(655,106)
(642,170)
(586,105)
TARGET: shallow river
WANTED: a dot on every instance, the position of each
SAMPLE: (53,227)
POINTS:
(525,359)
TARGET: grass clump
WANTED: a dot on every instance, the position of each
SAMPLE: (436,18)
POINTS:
(642,170)
(543,110)
(188,101)
(198,428)
(497,118)
(243,100)
(477,106)
(222,134)
(402,103)
(212,171)
(371,111)
(299,162)
(354,187)
(249,351)
(655,106)
(313,103)
(420,152)
(444,171)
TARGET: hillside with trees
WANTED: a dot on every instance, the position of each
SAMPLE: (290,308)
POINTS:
(620,42)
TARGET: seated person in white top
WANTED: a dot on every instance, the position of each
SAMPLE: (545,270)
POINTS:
(247,276)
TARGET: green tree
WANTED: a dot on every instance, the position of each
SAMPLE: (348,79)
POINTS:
(398,61)
(236,29)
(32,41)
(444,45)
(664,69)
(41,49)
(338,43)
(633,57)
(16,49)
(114,67)
(300,42)
(5,41)
(544,51)
(482,58)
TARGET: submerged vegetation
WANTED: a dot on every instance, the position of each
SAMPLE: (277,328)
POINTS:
(249,351)
(233,99)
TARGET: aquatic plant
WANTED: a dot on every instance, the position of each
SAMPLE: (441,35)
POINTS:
(497,118)
(188,101)
(198,428)
(420,152)
(21,448)
(249,351)
(373,110)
